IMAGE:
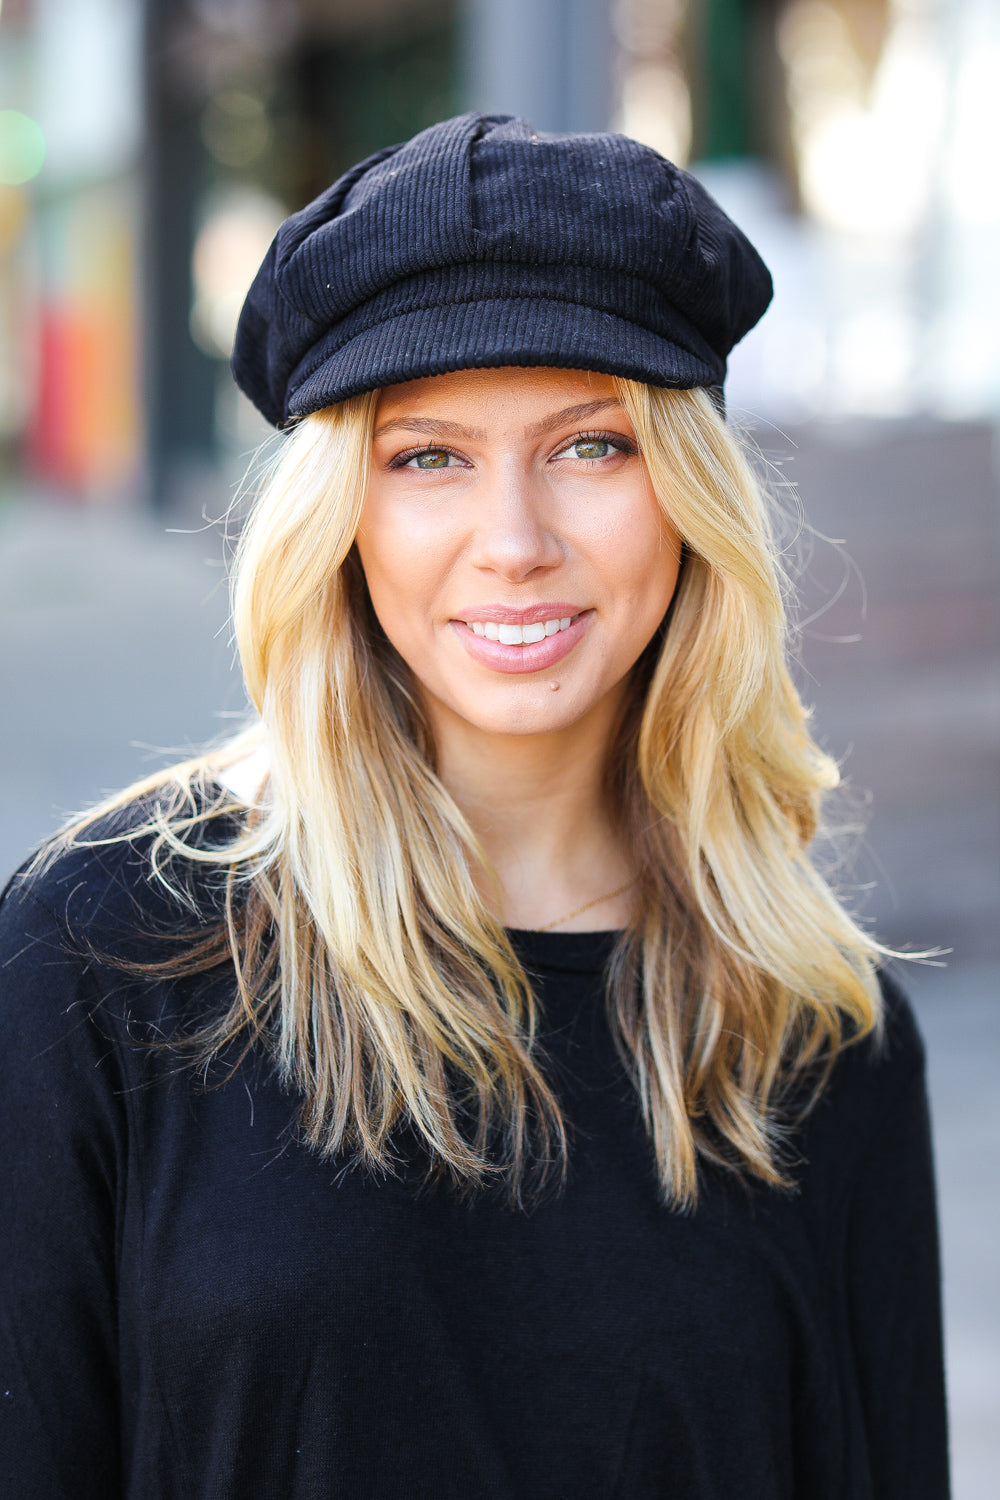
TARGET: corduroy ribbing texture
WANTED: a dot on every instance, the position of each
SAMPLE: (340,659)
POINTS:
(482,242)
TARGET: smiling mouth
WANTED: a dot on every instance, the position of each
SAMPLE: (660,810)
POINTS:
(519,635)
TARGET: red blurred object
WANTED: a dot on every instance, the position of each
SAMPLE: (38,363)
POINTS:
(82,433)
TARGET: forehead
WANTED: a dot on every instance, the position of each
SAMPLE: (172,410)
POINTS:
(507,391)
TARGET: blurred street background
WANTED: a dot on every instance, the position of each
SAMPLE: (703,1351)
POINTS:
(148,152)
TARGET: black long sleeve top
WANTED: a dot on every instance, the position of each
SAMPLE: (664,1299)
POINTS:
(195,1305)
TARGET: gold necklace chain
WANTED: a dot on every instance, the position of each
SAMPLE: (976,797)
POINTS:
(577,910)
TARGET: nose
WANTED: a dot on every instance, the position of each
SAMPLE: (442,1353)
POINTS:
(515,536)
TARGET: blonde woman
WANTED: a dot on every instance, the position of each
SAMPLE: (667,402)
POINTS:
(463,1083)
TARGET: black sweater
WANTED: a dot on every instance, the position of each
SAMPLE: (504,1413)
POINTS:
(195,1305)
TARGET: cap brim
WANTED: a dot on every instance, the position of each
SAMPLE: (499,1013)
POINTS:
(487,334)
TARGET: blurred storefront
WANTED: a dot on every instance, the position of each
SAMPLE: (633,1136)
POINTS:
(854,141)
(253,108)
(70,133)
(147,153)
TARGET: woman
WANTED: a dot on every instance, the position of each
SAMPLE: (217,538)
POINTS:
(463,1083)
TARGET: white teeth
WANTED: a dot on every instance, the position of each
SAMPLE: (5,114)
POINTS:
(519,635)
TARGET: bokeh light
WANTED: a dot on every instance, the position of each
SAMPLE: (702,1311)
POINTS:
(22,147)
(655,103)
(656,109)
(865,129)
(237,228)
(235,128)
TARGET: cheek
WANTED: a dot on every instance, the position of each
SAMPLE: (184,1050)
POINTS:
(665,566)
(648,551)
(403,567)
(656,586)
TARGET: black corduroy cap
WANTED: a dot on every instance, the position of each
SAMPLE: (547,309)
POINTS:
(482,242)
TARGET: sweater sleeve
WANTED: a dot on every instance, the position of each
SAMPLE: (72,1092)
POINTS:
(893,1271)
(63,1133)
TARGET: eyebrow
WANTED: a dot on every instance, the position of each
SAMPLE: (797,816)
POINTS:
(569,414)
(432,427)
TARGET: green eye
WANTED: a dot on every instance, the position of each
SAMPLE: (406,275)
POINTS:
(591,448)
(432,458)
(595,447)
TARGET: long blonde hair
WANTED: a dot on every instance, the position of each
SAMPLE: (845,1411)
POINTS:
(363,952)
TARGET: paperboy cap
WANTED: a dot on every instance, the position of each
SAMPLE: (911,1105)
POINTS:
(483,242)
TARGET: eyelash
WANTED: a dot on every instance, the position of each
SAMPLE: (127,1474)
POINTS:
(402,459)
(616,440)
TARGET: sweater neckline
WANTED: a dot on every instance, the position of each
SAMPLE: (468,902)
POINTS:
(564,952)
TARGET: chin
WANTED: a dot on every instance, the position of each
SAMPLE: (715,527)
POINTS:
(533,709)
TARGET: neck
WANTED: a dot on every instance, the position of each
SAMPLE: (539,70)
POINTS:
(537,803)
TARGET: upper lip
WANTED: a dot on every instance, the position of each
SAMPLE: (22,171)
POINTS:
(530,614)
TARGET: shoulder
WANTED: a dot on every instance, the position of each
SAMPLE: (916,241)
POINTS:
(59,1060)
(875,1085)
(901,1044)
(877,1069)
(114,886)
(80,922)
